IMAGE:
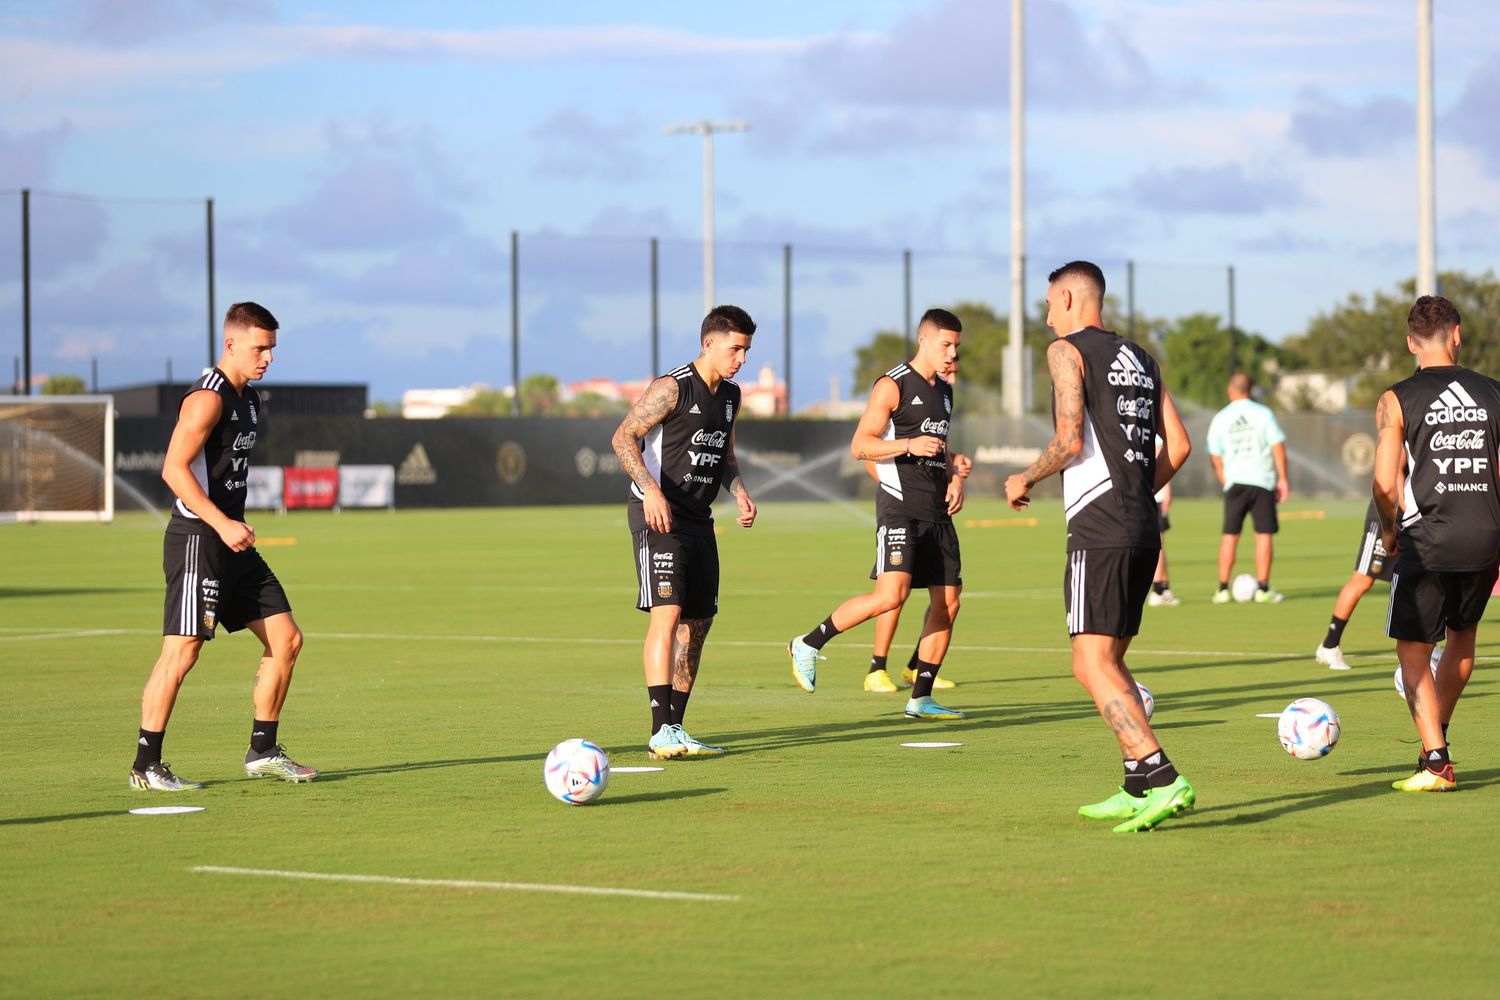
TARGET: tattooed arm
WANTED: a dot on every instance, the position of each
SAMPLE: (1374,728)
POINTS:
(1066,366)
(1390,449)
(870,444)
(736,486)
(659,399)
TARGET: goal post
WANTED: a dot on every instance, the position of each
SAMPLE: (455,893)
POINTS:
(57,458)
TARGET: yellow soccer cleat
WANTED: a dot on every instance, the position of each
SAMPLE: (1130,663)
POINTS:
(879,682)
(938,683)
(1428,781)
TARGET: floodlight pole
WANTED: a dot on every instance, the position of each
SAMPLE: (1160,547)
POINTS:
(25,388)
(1015,403)
(213,340)
(707,129)
(1426,198)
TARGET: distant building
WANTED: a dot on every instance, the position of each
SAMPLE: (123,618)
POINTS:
(834,408)
(1317,391)
(429,404)
(765,397)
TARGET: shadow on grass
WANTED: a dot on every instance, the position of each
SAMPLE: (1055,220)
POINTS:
(1274,807)
(65,817)
(639,797)
(66,591)
(425,765)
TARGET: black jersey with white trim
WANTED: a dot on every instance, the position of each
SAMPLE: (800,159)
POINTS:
(1109,488)
(1450,509)
(686,452)
(916,486)
(222,468)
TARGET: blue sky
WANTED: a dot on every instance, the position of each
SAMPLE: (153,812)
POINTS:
(369,161)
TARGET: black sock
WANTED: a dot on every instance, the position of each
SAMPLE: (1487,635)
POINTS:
(1445,732)
(262,738)
(661,705)
(1223,584)
(1264,584)
(1135,779)
(1435,760)
(913,660)
(1159,770)
(678,702)
(926,674)
(1159,586)
(877,663)
(1335,632)
(818,636)
(148,749)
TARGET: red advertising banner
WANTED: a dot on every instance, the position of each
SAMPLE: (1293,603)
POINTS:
(310,488)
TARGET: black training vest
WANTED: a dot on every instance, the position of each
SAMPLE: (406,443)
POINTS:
(913,485)
(686,452)
(222,468)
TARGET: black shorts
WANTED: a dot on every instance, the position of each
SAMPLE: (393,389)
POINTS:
(1426,602)
(679,570)
(209,584)
(1241,499)
(1104,590)
(1371,560)
(928,550)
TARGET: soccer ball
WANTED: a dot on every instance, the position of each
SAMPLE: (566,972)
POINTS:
(1146,700)
(1437,657)
(1308,728)
(576,772)
(1244,587)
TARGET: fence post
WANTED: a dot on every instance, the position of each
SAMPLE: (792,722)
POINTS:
(26,290)
(1233,335)
(212,340)
(906,293)
(515,323)
(1130,299)
(786,322)
(655,312)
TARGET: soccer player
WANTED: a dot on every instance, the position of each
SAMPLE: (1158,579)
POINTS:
(1108,404)
(1370,565)
(904,430)
(1441,424)
(214,573)
(677,446)
(1247,448)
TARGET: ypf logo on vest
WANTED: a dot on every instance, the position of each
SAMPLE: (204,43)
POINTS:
(1454,406)
(1128,370)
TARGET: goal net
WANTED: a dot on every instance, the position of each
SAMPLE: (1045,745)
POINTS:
(57,458)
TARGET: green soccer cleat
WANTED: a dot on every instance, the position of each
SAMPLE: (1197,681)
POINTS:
(666,744)
(278,765)
(926,708)
(696,748)
(1269,597)
(1121,805)
(158,777)
(938,683)
(1221,597)
(1160,804)
(804,664)
(1429,781)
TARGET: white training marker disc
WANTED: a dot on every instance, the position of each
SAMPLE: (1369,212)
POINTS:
(165,810)
(634,770)
(930,746)
(1268,715)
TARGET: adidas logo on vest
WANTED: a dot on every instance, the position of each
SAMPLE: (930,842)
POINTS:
(1127,370)
(1454,406)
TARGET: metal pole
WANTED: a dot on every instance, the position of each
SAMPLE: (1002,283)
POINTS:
(906,291)
(1130,299)
(213,340)
(655,312)
(26,290)
(1233,334)
(1426,196)
(15,381)
(169,371)
(1015,403)
(708,221)
(786,323)
(515,322)
(93,375)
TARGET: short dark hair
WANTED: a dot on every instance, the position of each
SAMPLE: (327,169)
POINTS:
(727,319)
(1086,270)
(942,319)
(1431,314)
(250,315)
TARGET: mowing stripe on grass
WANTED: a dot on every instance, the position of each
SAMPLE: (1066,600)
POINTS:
(445,883)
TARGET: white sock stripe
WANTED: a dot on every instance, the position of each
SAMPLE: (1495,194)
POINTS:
(1390,605)
(880,550)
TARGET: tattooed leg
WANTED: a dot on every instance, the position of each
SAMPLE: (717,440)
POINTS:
(1099,666)
(687,651)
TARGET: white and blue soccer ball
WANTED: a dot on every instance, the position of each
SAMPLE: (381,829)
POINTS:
(1243,588)
(576,772)
(1148,702)
(1308,728)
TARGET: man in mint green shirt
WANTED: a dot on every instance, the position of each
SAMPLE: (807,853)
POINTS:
(1247,448)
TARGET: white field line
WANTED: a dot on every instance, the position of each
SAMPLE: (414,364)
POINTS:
(632,641)
(445,883)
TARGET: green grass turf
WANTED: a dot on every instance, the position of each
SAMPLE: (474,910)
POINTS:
(447,651)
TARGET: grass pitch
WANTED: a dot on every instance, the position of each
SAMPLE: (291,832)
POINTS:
(448,651)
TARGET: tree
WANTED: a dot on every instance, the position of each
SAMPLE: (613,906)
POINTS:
(1366,338)
(1195,357)
(484,403)
(64,385)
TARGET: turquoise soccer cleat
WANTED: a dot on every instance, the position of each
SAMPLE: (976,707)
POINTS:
(927,708)
(804,664)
